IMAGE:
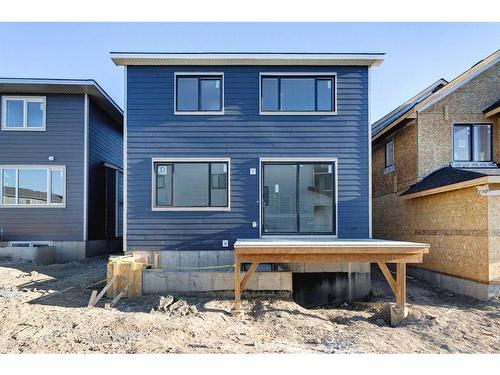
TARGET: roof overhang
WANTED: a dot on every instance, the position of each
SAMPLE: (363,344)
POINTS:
(493,111)
(63,86)
(146,58)
(459,185)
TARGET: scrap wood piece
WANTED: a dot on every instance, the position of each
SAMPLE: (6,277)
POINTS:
(92,298)
(93,301)
(117,298)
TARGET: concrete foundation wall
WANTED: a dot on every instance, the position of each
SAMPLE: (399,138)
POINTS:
(464,287)
(60,251)
(159,281)
(205,271)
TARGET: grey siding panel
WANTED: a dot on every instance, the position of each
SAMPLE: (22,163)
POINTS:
(105,145)
(244,136)
(64,140)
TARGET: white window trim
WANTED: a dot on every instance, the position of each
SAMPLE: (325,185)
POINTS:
(198,113)
(49,168)
(298,113)
(190,160)
(335,160)
(25,99)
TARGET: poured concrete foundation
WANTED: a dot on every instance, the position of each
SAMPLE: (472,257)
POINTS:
(60,251)
(457,285)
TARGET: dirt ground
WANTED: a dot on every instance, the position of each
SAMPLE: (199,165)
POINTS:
(43,310)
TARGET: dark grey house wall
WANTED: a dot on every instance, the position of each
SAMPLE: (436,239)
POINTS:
(244,136)
(105,145)
(63,139)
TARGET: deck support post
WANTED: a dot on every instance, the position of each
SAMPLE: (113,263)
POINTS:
(400,312)
(237,287)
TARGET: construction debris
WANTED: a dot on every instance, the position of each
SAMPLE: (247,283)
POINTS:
(169,306)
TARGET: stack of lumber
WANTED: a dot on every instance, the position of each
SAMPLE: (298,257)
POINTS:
(124,278)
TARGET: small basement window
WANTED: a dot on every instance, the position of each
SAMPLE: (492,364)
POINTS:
(472,143)
(199,94)
(26,113)
(191,185)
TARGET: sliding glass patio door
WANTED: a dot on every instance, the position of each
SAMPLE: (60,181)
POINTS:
(298,198)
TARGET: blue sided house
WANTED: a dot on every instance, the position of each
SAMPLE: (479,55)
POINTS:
(61,177)
(227,146)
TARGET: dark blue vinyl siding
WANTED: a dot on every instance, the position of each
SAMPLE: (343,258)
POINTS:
(105,145)
(63,139)
(244,136)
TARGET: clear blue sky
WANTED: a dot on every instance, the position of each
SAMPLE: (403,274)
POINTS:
(417,54)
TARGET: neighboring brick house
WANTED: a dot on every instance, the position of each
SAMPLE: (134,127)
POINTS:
(436,179)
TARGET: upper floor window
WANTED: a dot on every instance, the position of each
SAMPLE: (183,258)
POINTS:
(199,94)
(33,186)
(389,153)
(23,113)
(191,185)
(297,94)
(472,142)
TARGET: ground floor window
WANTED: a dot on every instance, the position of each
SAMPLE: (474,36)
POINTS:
(298,198)
(472,142)
(191,184)
(32,186)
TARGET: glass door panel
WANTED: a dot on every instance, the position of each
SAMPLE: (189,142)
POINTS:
(280,198)
(316,198)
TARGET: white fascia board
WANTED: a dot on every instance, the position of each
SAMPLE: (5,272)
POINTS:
(245,59)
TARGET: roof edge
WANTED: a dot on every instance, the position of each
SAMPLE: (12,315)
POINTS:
(250,58)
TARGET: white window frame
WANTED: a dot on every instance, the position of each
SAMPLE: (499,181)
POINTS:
(299,113)
(49,169)
(189,160)
(334,160)
(199,113)
(26,100)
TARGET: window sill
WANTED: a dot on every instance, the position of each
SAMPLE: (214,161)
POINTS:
(192,209)
(297,113)
(389,169)
(31,206)
(23,129)
(199,113)
(474,164)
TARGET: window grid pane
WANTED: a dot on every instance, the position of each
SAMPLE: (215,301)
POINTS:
(9,186)
(297,94)
(35,114)
(15,113)
(187,94)
(481,143)
(210,95)
(56,187)
(32,186)
(389,153)
(461,143)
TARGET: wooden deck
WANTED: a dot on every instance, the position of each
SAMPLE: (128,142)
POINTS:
(277,250)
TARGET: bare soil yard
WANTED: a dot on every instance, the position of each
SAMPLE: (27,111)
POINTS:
(43,310)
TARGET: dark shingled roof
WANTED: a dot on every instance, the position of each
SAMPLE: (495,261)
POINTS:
(492,107)
(443,177)
(385,121)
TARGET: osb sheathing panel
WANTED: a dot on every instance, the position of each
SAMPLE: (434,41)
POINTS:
(454,223)
(494,232)
(405,160)
(463,105)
